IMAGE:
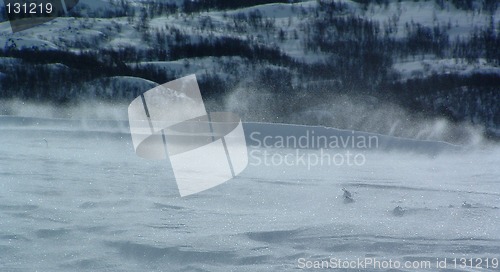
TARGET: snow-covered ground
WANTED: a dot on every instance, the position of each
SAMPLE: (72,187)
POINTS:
(75,197)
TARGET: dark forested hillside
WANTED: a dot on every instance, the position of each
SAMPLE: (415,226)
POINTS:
(434,58)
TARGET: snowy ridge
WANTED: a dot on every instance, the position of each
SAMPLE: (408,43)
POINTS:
(385,142)
(255,133)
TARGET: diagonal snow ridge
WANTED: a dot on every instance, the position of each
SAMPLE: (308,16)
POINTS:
(89,126)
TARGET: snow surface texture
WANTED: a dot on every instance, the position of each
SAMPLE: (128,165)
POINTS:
(75,197)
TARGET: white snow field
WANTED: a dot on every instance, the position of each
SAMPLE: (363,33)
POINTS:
(75,197)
